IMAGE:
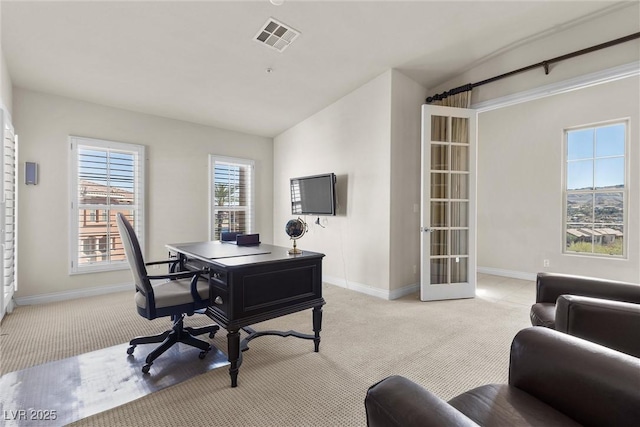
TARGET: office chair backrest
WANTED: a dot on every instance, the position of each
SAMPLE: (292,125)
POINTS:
(134,254)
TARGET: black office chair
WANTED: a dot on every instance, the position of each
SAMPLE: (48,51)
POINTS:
(172,294)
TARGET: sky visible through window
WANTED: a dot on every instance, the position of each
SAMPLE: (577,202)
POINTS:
(595,157)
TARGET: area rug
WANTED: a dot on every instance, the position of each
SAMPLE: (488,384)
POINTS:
(63,391)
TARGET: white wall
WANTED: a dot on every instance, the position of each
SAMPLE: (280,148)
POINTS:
(6,96)
(520,157)
(5,78)
(350,138)
(177,183)
(407,96)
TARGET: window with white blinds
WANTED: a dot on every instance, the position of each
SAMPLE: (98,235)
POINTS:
(231,198)
(107,178)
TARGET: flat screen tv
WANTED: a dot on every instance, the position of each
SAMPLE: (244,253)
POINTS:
(314,195)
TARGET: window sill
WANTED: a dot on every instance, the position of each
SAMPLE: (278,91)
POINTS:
(99,269)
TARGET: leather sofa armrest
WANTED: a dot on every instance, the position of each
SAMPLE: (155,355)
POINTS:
(549,286)
(613,324)
(592,384)
(399,402)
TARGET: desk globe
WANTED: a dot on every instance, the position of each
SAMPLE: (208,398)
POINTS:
(295,229)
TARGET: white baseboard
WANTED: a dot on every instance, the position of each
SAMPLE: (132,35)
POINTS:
(368,290)
(405,290)
(78,293)
(507,273)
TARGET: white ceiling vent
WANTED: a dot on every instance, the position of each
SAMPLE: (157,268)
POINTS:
(276,35)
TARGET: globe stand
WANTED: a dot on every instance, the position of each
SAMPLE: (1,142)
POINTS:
(295,229)
(295,250)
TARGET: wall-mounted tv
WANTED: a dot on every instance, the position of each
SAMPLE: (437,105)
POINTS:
(314,195)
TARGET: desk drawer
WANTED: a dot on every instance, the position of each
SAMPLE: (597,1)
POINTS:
(219,299)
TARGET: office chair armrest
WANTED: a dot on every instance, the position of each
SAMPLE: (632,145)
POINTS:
(165,261)
(194,275)
(180,275)
(194,287)
(174,262)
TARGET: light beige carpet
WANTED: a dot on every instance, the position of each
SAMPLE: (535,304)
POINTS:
(447,346)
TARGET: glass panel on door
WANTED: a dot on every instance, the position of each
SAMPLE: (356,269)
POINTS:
(459,269)
(439,126)
(459,158)
(439,158)
(439,271)
(460,130)
(439,189)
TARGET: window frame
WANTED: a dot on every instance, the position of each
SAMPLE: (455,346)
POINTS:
(213,159)
(137,209)
(594,191)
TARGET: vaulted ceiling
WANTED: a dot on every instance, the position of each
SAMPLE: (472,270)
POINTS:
(198,61)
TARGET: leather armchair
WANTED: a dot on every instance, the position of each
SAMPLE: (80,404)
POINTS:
(603,311)
(549,286)
(554,379)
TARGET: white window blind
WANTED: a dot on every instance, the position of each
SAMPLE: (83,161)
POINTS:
(8,214)
(596,190)
(107,178)
(231,195)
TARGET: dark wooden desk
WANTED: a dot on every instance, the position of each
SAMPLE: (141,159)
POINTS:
(251,284)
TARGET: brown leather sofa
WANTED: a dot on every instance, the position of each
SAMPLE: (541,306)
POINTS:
(603,311)
(555,379)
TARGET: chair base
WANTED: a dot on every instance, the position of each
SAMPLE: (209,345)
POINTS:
(177,334)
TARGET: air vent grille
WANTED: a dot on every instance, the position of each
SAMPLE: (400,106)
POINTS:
(276,35)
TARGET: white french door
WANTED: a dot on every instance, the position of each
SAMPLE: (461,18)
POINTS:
(8,217)
(448,218)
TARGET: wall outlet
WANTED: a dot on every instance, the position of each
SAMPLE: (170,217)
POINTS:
(545,263)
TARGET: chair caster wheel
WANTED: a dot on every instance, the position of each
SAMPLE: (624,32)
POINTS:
(212,335)
(146,368)
(202,354)
(130,349)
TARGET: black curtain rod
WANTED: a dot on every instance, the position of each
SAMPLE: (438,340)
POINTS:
(544,64)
